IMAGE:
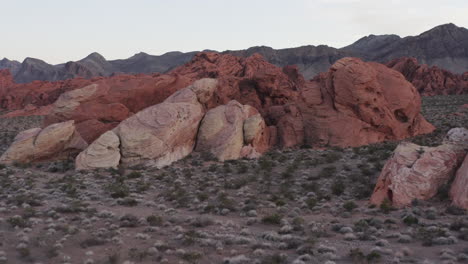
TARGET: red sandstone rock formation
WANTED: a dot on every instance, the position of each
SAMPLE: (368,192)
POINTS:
(155,136)
(430,80)
(101,106)
(355,103)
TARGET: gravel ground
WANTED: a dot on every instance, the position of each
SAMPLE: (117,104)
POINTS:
(290,206)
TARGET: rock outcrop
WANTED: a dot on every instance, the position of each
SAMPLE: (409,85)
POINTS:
(459,189)
(233,131)
(155,136)
(357,103)
(430,80)
(353,104)
(56,141)
(417,172)
(102,105)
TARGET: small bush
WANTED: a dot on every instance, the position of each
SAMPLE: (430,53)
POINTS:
(274,259)
(327,172)
(92,242)
(338,187)
(127,201)
(386,206)
(118,190)
(332,157)
(410,220)
(154,220)
(273,219)
(134,175)
(350,206)
(311,202)
(454,210)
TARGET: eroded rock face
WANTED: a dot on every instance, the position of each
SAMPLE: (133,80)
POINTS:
(221,131)
(155,136)
(358,103)
(53,142)
(108,102)
(355,103)
(256,133)
(102,153)
(430,80)
(233,131)
(459,189)
(417,172)
(161,134)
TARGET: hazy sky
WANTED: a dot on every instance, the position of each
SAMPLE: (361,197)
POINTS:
(62,30)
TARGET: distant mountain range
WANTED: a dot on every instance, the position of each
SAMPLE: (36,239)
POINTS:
(445,46)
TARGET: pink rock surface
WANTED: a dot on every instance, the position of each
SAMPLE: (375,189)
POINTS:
(459,189)
(357,103)
(417,172)
(430,80)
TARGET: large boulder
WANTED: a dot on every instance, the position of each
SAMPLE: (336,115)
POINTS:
(56,141)
(417,172)
(358,103)
(155,136)
(161,134)
(102,153)
(221,131)
(459,189)
(233,131)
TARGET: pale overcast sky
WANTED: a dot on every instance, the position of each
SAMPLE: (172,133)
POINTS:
(61,30)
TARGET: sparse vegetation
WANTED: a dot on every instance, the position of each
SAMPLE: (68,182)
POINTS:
(303,205)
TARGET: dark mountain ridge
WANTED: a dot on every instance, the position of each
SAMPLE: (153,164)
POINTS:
(445,46)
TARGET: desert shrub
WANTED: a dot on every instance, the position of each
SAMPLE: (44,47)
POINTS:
(454,210)
(138,254)
(18,221)
(332,157)
(129,220)
(274,259)
(311,202)
(350,206)
(202,222)
(134,175)
(128,201)
(386,206)
(327,172)
(266,164)
(410,220)
(338,187)
(358,256)
(190,237)
(427,237)
(208,156)
(154,220)
(191,256)
(242,168)
(118,189)
(92,242)
(273,219)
